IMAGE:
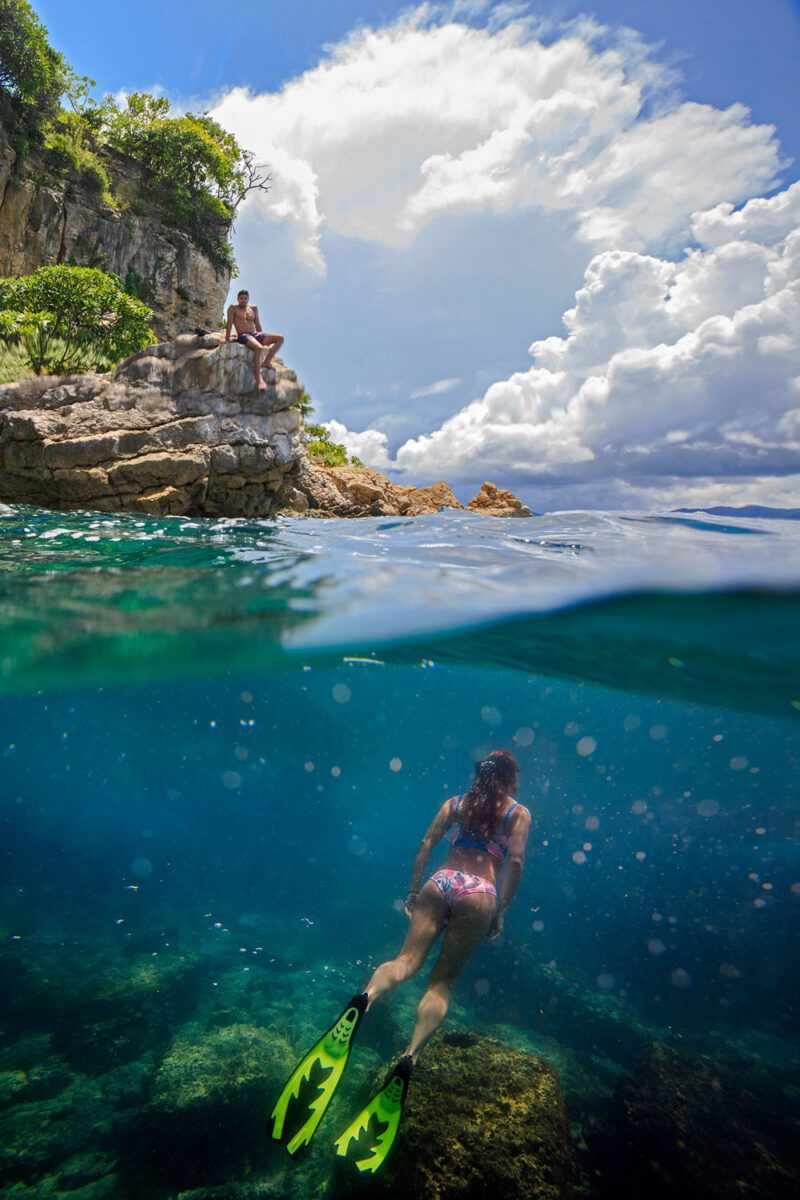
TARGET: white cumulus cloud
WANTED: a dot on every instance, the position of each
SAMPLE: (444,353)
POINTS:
(669,371)
(430,115)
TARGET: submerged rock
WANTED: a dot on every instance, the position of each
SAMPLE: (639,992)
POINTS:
(481,1120)
(210,1098)
(677,1129)
(126,1011)
(178,428)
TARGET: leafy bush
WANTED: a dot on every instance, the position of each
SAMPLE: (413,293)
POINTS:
(61,154)
(72,319)
(94,175)
(332,454)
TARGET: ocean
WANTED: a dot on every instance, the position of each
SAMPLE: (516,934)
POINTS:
(220,745)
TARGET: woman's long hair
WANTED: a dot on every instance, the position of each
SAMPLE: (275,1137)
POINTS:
(495,777)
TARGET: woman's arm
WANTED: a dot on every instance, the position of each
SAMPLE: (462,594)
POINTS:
(438,828)
(517,842)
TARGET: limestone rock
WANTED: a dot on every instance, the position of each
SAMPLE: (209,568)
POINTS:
(481,1119)
(178,428)
(492,501)
(60,221)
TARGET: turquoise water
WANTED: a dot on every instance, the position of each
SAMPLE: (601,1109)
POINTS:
(222,741)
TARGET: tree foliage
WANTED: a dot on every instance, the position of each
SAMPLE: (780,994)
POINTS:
(72,319)
(31,71)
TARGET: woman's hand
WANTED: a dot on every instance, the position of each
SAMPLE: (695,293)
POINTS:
(410,904)
(496,927)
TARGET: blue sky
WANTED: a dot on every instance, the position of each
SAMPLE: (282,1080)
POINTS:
(386,288)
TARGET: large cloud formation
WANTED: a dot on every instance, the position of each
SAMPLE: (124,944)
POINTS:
(431,115)
(679,374)
(669,370)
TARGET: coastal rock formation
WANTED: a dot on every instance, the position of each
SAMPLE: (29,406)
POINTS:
(362,492)
(177,429)
(492,501)
(46,220)
(481,1119)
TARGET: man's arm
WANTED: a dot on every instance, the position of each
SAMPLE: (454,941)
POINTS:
(438,828)
(230,323)
(515,863)
(256,319)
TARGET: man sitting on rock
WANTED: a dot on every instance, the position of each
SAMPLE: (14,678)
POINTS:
(265,346)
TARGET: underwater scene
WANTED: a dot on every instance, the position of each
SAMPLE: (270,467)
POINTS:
(221,743)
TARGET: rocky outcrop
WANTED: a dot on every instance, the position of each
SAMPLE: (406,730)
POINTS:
(178,429)
(492,501)
(46,220)
(362,492)
(482,1119)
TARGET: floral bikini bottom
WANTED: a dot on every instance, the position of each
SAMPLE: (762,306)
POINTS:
(455,884)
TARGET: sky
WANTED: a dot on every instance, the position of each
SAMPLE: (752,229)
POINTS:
(556,245)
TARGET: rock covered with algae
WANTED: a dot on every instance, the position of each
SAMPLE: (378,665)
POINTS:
(481,1119)
(679,1128)
(210,1097)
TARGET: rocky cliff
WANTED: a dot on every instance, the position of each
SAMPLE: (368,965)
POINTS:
(45,219)
(179,428)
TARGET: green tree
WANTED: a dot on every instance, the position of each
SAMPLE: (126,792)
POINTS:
(31,71)
(72,319)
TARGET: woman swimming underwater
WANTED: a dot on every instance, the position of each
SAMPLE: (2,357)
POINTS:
(489,831)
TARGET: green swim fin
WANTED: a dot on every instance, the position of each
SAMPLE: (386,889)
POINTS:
(368,1140)
(303,1102)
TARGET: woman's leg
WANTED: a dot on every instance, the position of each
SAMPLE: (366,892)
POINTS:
(469,925)
(427,922)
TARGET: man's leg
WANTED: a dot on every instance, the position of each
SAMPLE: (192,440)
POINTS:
(258,353)
(273,341)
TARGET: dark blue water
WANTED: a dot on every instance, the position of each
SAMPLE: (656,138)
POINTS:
(221,743)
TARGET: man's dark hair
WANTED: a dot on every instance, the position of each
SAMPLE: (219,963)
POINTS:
(242,292)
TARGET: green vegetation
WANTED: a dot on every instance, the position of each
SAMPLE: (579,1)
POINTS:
(13,361)
(31,71)
(67,319)
(318,440)
(332,454)
(193,172)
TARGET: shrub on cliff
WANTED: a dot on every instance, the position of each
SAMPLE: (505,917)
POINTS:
(322,447)
(72,319)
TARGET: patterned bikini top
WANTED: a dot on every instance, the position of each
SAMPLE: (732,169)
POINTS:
(496,845)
